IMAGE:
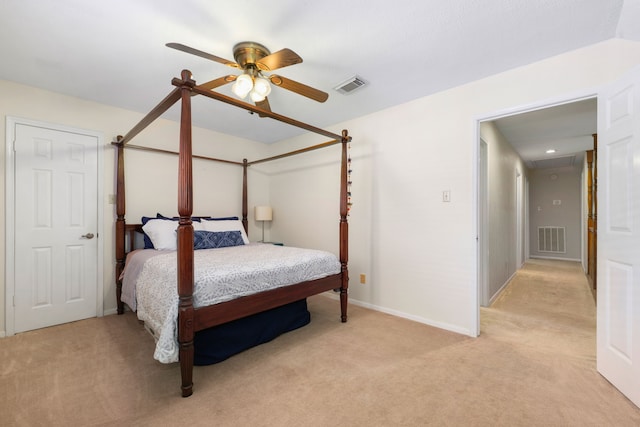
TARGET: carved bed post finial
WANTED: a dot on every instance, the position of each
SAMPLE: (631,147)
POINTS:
(120,222)
(344,227)
(185,238)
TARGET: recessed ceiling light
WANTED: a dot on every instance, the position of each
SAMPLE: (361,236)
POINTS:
(550,151)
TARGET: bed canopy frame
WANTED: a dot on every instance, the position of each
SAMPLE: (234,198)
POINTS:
(191,319)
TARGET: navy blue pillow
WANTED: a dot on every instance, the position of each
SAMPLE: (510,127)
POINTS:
(196,218)
(224,218)
(147,241)
(216,239)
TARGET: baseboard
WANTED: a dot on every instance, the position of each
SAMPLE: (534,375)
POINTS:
(439,325)
(110,312)
(555,258)
(501,290)
(3,334)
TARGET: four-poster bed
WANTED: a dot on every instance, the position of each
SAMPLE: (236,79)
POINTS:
(192,319)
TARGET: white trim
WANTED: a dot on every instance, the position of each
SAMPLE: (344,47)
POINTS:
(475,284)
(502,289)
(483,222)
(526,220)
(555,258)
(581,95)
(9,278)
(100,225)
(440,325)
(519,221)
(540,105)
(9,224)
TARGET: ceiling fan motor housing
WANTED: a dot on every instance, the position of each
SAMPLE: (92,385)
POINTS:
(249,53)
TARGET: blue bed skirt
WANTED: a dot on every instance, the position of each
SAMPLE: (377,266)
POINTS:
(216,344)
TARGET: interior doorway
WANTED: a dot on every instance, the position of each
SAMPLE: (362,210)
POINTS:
(616,124)
(533,129)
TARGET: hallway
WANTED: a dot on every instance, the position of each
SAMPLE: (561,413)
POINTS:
(547,317)
(547,305)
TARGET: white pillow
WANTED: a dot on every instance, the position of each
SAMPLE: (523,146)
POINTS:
(162,233)
(226,225)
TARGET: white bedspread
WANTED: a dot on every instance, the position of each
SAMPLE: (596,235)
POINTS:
(220,275)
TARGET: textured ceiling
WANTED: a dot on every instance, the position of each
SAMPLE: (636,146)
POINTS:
(113,52)
(568,129)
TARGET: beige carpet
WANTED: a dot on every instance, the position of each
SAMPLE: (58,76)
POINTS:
(533,365)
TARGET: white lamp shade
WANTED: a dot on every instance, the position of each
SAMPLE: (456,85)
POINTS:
(243,85)
(263,213)
(262,86)
(256,97)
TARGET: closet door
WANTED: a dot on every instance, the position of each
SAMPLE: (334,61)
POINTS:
(55,234)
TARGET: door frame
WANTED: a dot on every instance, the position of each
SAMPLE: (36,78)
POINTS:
(569,98)
(483,222)
(519,221)
(9,275)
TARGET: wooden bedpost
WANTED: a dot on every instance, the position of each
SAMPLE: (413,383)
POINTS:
(185,239)
(344,227)
(120,222)
(245,208)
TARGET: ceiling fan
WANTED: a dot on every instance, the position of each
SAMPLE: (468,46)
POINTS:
(254,60)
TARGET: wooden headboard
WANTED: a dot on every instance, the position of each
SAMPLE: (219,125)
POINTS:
(130,231)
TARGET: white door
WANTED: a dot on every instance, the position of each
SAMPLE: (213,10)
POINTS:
(56,218)
(618,343)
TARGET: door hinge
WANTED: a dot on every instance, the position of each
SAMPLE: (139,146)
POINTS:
(14,300)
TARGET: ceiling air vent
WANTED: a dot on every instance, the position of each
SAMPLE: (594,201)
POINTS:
(350,85)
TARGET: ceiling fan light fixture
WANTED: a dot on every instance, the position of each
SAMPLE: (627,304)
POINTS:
(256,97)
(253,58)
(242,86)
(262,86)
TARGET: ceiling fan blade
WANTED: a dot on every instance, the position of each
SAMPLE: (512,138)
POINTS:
(202,54)
(264,104)
(304,90)
(280,59)
(220,81)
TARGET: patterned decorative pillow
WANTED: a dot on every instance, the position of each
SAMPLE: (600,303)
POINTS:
(216,239)
(225,225)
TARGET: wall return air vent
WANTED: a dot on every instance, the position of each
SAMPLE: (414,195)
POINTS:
(349,85)
(551,239)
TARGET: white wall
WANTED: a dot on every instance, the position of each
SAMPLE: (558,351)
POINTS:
(151,178)
(419,253)
(563,184)
(503,162)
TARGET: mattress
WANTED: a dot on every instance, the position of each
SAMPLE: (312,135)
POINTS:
(223,274)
